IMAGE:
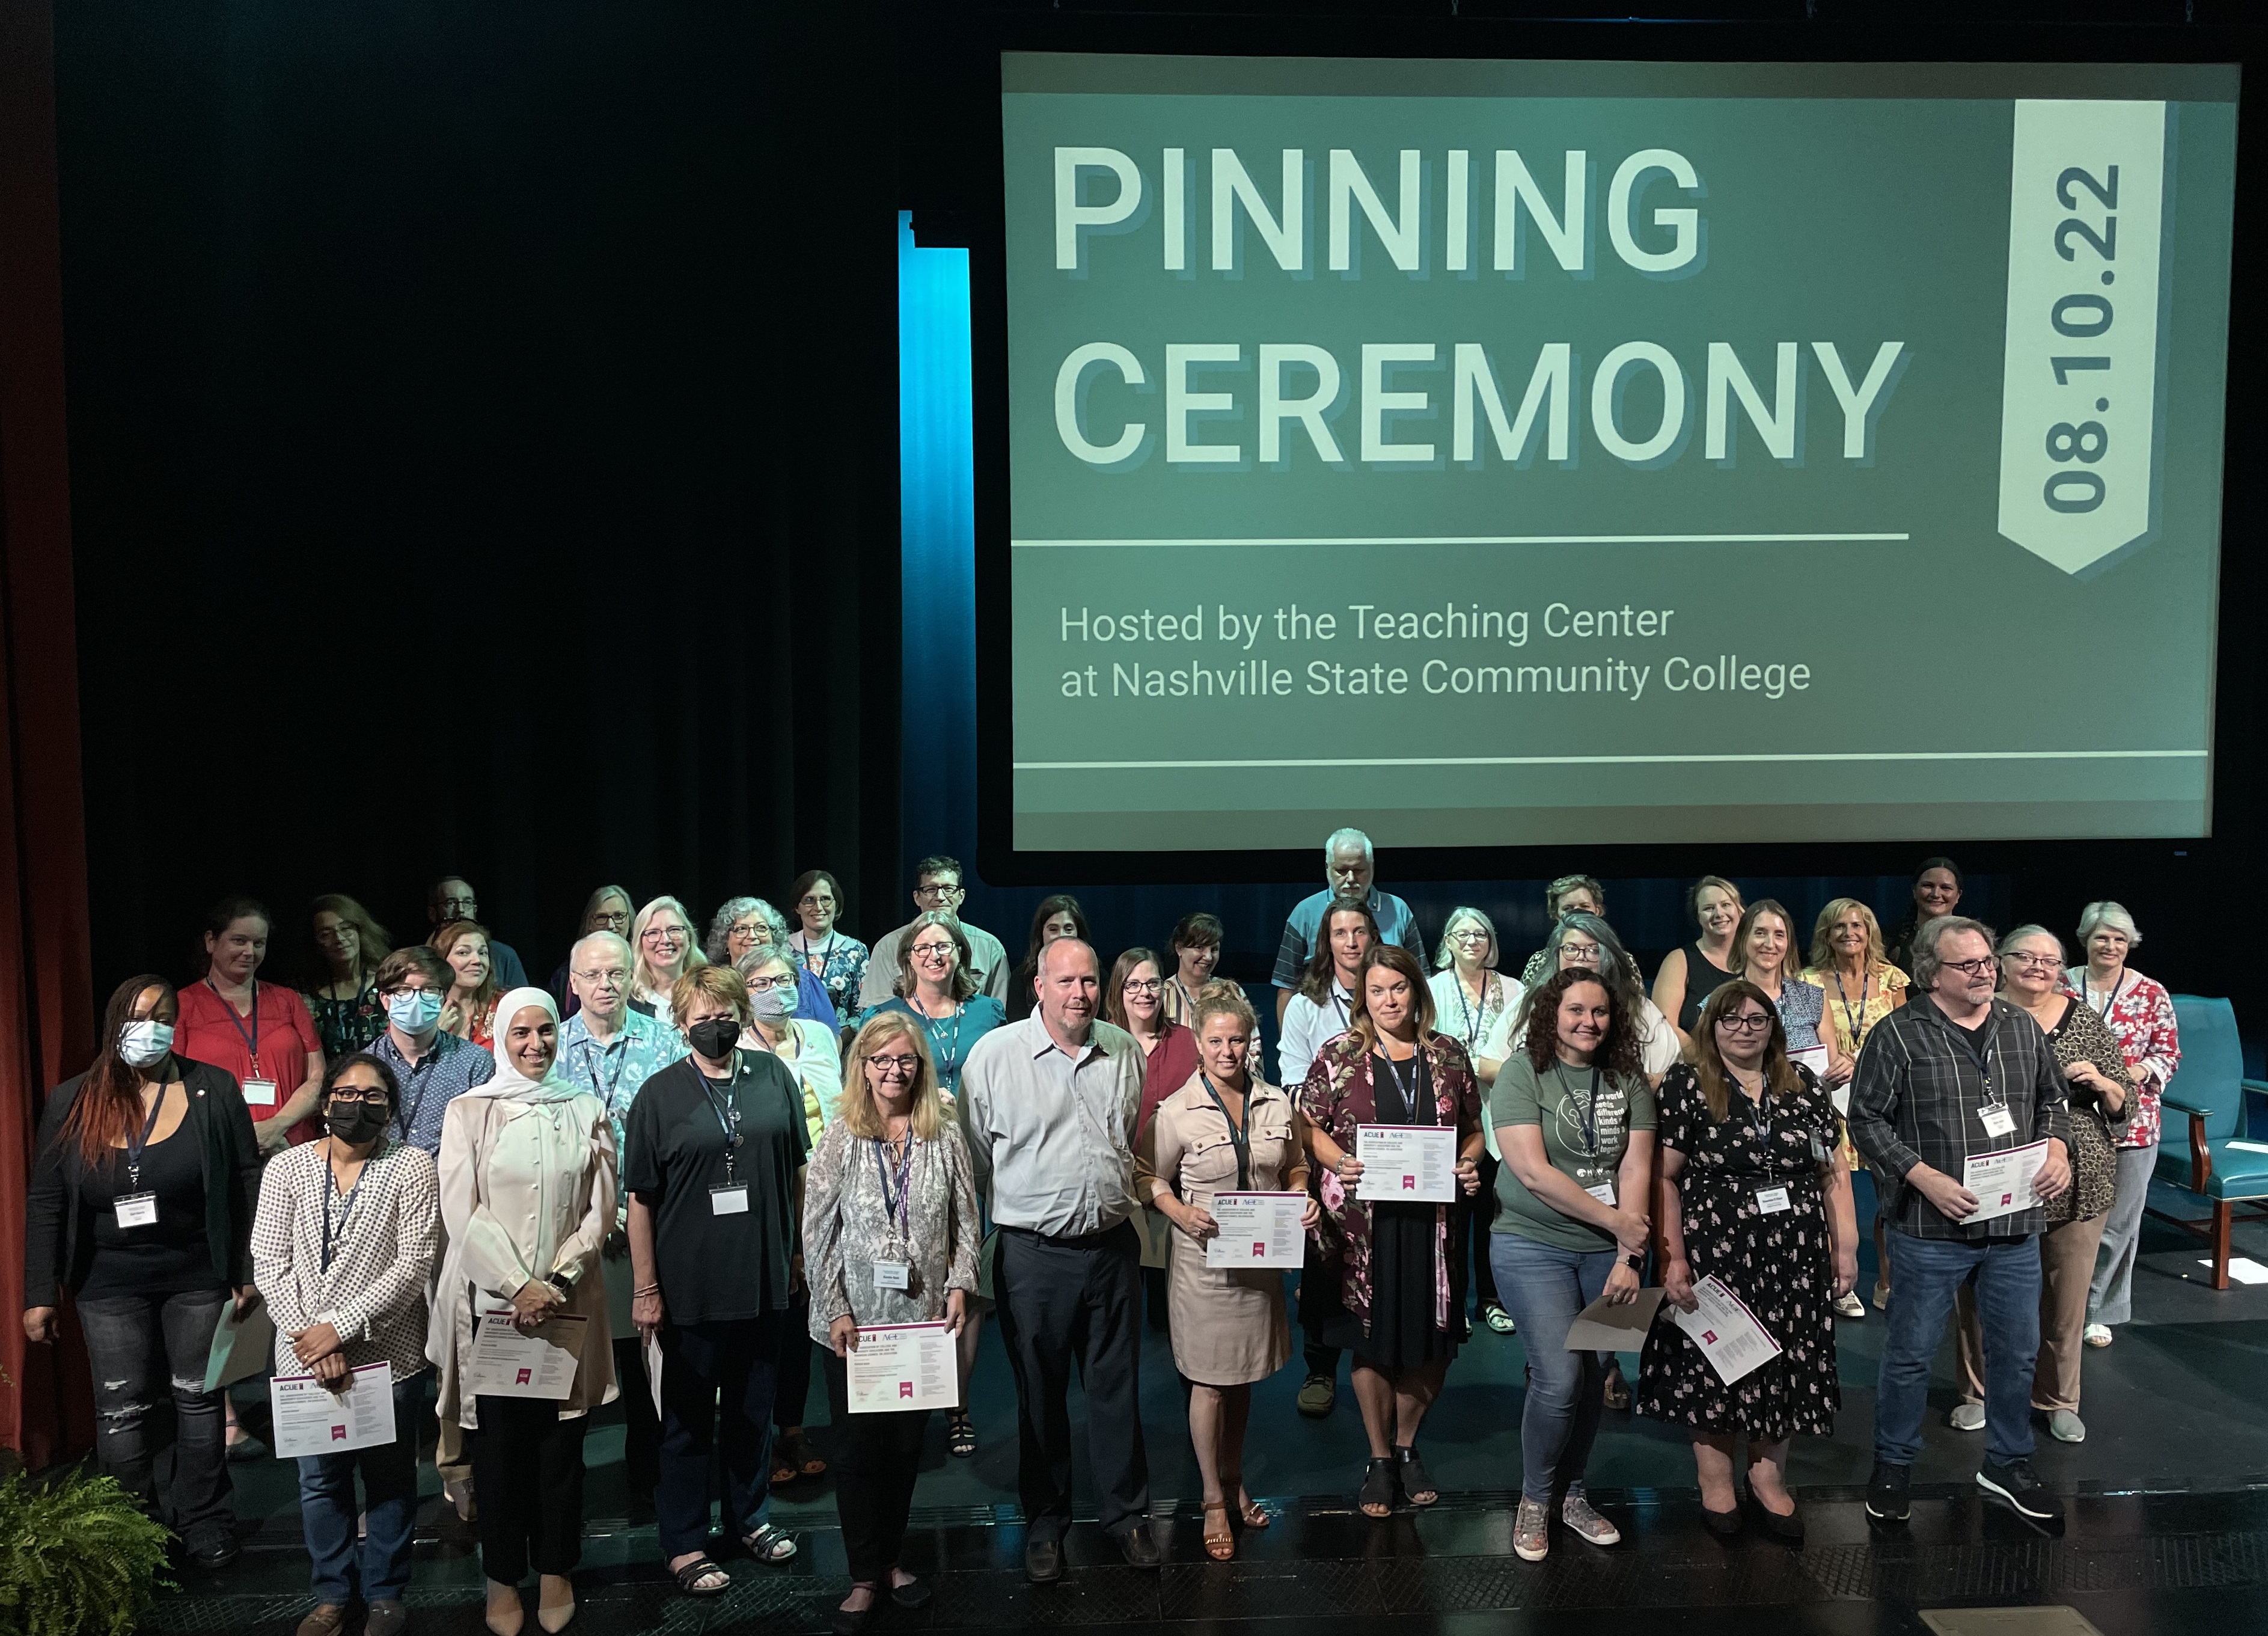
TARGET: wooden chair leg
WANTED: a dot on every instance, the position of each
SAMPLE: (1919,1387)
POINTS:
(2223,1218)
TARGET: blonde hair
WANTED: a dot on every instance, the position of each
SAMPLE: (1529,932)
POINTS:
(856,1109)
(642,974)
(719,983)
(1222,998)
(1822,950)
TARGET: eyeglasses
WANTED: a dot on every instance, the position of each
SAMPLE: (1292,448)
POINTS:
(408,988)
(815,900)
(936,894)
(895,1067)
(1751,1023)
(765,985)
(458,908)
(1967,968)
(663,935)
(933,951)
(373,1098)
(615,976)
(746,928)
(1471,934)
(1145,985)
(610,920)
(1579,951)
(2043,963)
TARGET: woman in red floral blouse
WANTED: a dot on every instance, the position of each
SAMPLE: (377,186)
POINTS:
(2141,1014)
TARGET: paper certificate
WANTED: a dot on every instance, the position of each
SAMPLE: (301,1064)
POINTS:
(1727,1333)
(1257,1230)
(1414,1162)
(511,1362)
(2002,1182)
(311,1418)
(902,1365)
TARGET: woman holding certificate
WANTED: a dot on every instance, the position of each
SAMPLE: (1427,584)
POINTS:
(1753,1195)
(1574,1119)
(527,1198)
(890,1234)
(1401,1288)
(1224,1131)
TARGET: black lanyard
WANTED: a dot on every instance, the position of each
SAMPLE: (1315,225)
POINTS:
(1853,1020)
(2116,989)
(252,1039)
(135,1144)
(606,1090)
(825,954)
(1409,1088)
(895,1205)
(1590,1107)
(1981,1058)
(1341,1004)
(1475,1017)
(330,1186)
(1757,1120)
(408,1117)
(727,1112)
(1238,1139)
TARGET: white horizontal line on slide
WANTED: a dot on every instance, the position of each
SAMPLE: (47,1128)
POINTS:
(1485,538)
(1610,761)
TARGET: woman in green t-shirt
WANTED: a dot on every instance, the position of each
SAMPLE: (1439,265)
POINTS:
(1574,1118)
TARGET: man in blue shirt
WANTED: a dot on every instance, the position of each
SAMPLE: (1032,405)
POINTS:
(453,898)
(1349,868)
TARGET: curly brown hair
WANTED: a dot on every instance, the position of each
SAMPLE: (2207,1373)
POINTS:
(1618,1053)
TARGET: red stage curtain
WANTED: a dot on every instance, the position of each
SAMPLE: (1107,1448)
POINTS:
(46,1021)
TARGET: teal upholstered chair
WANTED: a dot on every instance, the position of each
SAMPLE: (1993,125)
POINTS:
(2204,1148)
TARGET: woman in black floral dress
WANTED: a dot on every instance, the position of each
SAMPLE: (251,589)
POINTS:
(1749,1191)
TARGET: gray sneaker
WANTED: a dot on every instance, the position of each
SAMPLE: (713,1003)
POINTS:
(2066,1427)
(1967,1417)
(1531,1530)
(1588,1524)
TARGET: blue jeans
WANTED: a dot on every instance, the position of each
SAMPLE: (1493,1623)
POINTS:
(1544,1287)
(713,1373)
(1924,1272)
(389,1482)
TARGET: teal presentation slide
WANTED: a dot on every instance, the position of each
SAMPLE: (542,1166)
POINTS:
(1522,453)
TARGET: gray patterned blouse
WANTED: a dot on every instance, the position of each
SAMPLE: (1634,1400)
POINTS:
(847,1228)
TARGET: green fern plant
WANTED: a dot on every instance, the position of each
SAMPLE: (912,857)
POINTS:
(77,1557)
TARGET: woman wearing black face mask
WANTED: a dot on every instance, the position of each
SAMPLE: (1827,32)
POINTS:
(342,1247)
(717,1145)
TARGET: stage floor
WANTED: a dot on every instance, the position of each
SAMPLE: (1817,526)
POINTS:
(2168,1532)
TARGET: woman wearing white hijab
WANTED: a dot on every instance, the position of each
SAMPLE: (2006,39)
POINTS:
(528,1194)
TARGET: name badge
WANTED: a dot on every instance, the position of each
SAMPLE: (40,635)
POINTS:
(893,1275)
(1998,1120)
(260,1093)
(1604,1192)
(1770,1200)
(138,1210)
(729,1200)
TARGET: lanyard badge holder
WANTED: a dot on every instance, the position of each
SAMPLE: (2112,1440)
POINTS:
(730,1197)
(894,1268)
(1603,1192)
(1993,1111)
(258,1089)
(137,1208)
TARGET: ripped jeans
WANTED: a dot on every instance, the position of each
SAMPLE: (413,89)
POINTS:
(124,1336)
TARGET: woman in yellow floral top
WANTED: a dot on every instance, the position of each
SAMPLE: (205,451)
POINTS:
(1862,987)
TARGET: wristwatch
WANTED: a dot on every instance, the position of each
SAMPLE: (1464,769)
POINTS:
(1635,1260)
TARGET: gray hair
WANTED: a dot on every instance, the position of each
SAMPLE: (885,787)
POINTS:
(1348,836)
(774,953)
(2095,916)
(1446,955)
(1614,963)
(1929,934)
(620,944)
(720,925)
(2008,943)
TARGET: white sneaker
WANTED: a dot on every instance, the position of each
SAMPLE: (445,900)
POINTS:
(2066,1427)
(1967,1417)
(2096,1335)
(1848,1305)
(1585,1524)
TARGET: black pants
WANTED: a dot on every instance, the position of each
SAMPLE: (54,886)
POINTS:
(1319,1309)
(641,1427)
(877,1459)
(716,1386)
(792,1390)
(1061,1299)
(140,1345)
(1479,1217)
(527,1469)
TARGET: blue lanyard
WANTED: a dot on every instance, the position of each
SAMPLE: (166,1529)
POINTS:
(2116,989)
(251,1040)
(728,1112)
(1590,1107)
(408,1118)
(948,1060)
(1344,1018)
(1475,1019)
(606,1090)
(896,1201)
(825,954)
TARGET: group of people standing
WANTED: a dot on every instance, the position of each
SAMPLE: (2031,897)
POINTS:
(694,1166)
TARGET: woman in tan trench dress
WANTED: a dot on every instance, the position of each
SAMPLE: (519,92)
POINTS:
(1224,1130)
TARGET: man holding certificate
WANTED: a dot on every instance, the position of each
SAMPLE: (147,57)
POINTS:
(1959,1106)
(1224,1160)
(1392,1093)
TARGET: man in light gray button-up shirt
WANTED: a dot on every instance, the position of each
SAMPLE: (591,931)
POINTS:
(1050,1106)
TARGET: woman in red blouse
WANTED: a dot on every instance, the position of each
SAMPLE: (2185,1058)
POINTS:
(2140,1015)
(259,1032)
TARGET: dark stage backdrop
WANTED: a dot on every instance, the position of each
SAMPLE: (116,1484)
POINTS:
(482,424)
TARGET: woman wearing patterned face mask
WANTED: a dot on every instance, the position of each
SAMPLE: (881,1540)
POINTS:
(141,1204)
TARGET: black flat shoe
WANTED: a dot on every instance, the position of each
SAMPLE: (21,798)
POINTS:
(1723,1524)
(1043,1560)
(215,1555)
(846,1622)
(915,1593)
(1788,1529)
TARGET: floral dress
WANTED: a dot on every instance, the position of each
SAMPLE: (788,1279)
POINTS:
(345,1026)
(2141,1018)
(1781,1264)
(839,962)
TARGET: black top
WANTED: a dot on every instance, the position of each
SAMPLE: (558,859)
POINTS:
(718,1268)
(1704,976)
(167,1257)
(59,1239)
(1399,1089)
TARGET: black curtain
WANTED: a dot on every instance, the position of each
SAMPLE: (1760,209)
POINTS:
(484,428)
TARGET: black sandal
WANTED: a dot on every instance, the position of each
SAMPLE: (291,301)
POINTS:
(959,1436)
(1414,1479)
(689,1578)
(1379,1482)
